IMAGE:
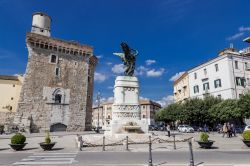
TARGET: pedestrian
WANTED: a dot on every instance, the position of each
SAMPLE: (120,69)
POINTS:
(228,130)
(168,130)
(233,131)
(80,142)
(224,129)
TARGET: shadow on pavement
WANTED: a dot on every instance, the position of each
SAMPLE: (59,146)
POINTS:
(55,149)
(25,149)
(199,163)
(4,149)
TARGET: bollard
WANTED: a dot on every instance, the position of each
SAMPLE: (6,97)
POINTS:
(150,162)
(103,144)
(174,142)
(126,142)
(191,153)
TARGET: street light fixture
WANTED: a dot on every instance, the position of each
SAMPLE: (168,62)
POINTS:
(98,98)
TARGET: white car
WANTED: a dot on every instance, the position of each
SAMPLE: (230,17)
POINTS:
(247,128)
(185,129)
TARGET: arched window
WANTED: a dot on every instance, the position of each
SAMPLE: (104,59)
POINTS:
(53,59)
(58,98)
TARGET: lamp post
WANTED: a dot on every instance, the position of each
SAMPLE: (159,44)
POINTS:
(98,98)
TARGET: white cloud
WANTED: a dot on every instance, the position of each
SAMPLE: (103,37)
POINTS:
(165,101)
(143,98)
(155,73)
(118,68)
(236,36)
(176,76)
(109,63)
(99,77)
(107,99)
(150,62)
(141,70)
(99,56)
(243,29)
(110,87)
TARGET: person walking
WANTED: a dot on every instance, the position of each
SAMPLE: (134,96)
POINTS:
(233,131)
(168,130)
(229,132)
(224,129)
(80,141)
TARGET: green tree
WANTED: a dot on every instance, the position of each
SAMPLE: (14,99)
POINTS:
(227,110)
(244,105)
(169,113)
(208,103)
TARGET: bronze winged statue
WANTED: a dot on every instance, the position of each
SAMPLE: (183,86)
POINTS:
(128,57)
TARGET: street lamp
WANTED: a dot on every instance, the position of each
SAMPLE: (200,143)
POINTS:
(98,98)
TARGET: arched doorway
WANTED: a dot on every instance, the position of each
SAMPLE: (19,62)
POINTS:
(58,127)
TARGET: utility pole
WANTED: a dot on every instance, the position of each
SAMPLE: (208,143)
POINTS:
(98,98)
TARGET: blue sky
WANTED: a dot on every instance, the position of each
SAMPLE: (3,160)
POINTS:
(171,35)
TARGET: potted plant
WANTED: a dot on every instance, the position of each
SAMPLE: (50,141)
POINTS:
(47,144)
(204,142)
(246,137)
(18,141)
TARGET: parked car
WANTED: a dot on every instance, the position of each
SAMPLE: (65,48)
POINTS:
(185,128)
(247,128)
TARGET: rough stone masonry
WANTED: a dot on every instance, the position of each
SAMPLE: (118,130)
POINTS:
(58,84)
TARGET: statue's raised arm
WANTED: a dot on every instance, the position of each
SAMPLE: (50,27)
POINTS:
(128,58)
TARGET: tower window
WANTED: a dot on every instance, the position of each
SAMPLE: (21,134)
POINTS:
(53,59)
(57,71)
(58,98)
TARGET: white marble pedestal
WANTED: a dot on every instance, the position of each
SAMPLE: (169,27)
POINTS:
(126,113)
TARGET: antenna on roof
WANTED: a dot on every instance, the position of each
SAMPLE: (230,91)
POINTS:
(231,45)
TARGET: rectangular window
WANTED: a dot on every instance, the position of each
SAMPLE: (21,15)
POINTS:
(217,83)
(57,71)
(195,75)
(236,65)
(219,96)
(196,89)
(240,81)
(206,86)
(205,71)
(53,59)
(247,67)
(216,67)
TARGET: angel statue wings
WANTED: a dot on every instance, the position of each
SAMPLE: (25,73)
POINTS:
(128,57)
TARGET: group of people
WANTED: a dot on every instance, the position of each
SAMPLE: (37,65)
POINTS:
(228,129)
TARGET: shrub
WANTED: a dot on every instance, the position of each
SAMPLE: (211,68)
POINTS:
(246,135)
(47,138)
(18,139)
(204,137)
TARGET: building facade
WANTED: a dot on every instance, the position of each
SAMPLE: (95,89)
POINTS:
(148,111)
(181,88)
(226,76)
(10,88)
(58,84)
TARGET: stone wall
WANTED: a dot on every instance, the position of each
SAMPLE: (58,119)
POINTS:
(6,117)
(41,74)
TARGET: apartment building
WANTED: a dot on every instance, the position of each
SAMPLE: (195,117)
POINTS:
(226,76)
(181,88)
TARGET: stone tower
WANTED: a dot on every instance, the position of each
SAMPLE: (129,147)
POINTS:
(58,84)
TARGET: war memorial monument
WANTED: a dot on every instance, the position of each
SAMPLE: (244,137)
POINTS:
(126,111)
